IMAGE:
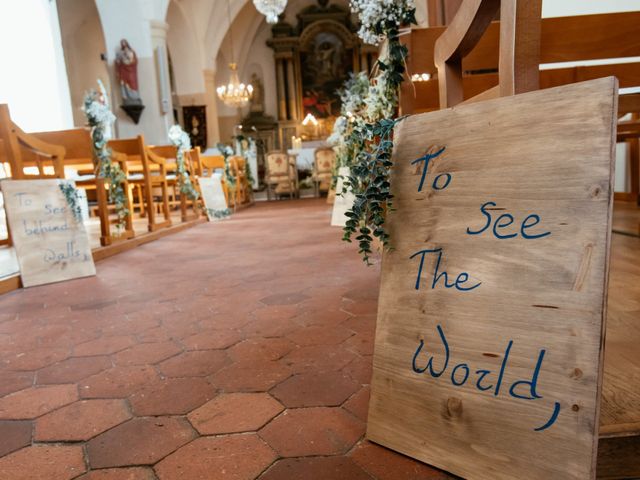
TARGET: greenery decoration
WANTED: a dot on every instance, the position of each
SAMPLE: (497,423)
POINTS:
(368,135)
(72,197)
(219,214)
(181,140)
(226,151)
(100,119)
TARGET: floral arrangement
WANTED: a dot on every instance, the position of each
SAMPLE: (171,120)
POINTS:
(244,146)
(366,136)
(100,118)
(181,140)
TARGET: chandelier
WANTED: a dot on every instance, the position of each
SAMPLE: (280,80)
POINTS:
(234,93)
(270,8)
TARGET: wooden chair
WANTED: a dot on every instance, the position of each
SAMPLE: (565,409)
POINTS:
(520,41)
(324,160)
(169,154)
(79,159)
(243,193)
(281,174)
(206,166)
(150,173)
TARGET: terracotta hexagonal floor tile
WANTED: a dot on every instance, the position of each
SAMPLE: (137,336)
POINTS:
(315,468)
(235,457)
(13,381)
(318,358)
(290,298)
(358,404)
(278,327)
(317,335)
(172,396)
(14,435)
(81,420)
(235,412)
(117,382)
(43,462)
(103,346)
(271,313)
(313,431)
(360,343)
(141,441)
(147,353)
(385,464)
(212,339)
(250,376)
(35,401)
(360,369)
(260,349)
(133,473)
(325,389)
(194,363)
(34,359)
(72,370)
(322,317)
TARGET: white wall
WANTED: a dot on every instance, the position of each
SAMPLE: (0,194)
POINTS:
(33,80)
(567,8)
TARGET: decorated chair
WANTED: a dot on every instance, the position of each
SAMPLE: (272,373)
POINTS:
(281,174)
(79,167)
(170,153)
(243,192)
(323,169)
(149,173)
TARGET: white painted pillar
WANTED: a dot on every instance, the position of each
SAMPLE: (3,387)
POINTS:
(213,128)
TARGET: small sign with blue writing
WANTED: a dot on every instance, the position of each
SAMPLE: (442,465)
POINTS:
(47,232)
(489,340)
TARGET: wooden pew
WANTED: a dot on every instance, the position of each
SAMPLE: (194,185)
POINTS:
(619,432)
(79,157)
(243,193)
(153,176)
(169,154)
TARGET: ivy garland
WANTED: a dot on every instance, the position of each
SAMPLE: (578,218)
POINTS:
(100,119)
(226,151)
(72,197)
(181,140)
(371,135)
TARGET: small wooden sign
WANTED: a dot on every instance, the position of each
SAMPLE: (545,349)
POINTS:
(213,196)
(489,341)
(50,243)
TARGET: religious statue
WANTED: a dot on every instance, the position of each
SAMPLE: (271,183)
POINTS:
(127,69)
(257,99)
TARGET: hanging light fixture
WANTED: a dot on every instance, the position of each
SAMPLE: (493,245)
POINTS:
(234,93)
(270,8)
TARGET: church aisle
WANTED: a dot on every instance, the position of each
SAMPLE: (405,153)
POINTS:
(239,349)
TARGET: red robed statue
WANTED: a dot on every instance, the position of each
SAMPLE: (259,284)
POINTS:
(127,69)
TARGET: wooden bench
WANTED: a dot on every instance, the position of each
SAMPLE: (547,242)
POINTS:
(453,53)
(169,153)
(152,179)
(206,165)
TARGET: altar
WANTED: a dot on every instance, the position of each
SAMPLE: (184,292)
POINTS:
(305,156)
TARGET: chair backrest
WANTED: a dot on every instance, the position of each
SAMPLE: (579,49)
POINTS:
(277,163)
(48,158)
(237,164)
(565,39)
(210,164)
(76,142)
(324,160)
(519,46)
(134,149)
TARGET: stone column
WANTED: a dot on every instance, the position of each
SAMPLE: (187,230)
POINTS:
(292,90)
(282,100)
(213,129)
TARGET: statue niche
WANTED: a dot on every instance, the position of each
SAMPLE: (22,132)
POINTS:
(127,71)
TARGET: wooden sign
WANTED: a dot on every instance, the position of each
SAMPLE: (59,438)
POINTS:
(50,243)
(343,200)
(213,196)
(489,341)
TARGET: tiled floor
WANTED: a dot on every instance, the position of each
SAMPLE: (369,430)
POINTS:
(235,350)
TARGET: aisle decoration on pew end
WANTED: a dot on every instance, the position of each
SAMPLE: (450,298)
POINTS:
(100,118)
(369,127)
(72,197)
(180,138)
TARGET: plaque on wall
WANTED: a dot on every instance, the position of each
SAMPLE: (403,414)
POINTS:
(195,124)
